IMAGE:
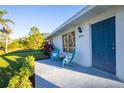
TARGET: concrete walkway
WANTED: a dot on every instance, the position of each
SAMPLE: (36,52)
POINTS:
(51,75)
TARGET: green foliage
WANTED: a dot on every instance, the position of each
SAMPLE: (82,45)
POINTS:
(4,22)
(34,30)
(3,12)
(14,82)
(20,82)
(12,62)
(30,60)
(1,44)
(23,43)
(21,79)
(14,45)
(4,78)
(35,39)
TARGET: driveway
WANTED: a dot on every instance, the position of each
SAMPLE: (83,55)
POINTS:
(51,75)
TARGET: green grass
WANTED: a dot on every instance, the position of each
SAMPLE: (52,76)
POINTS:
(11,62)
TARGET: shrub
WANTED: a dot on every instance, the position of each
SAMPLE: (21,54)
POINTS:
(14,45)
(14,82)
(21,79)
(25,71)
(30,61)
(48,48)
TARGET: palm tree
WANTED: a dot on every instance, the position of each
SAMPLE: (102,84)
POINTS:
(6,29)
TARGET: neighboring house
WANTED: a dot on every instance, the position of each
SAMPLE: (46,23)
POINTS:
(97,35)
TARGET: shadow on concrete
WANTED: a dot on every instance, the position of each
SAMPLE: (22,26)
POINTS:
(81,69)
(43,83)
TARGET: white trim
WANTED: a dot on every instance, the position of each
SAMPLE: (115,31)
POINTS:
(90,38)
(116,43)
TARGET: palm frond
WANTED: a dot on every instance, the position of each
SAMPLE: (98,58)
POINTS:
(9,21)
(2,21)
(3,12)
(8,31)
(1,30)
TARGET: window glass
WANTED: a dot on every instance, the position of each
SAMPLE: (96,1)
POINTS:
(68,42)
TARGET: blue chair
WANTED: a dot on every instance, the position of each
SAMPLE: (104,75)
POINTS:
(68,59)
(55,55)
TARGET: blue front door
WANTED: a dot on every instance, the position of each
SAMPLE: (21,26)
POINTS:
(103,45)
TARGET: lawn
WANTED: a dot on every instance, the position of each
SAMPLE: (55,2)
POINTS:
(10,63)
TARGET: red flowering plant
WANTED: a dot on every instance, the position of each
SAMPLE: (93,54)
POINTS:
(48,48)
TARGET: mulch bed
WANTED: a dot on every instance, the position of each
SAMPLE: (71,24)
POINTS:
(32,79)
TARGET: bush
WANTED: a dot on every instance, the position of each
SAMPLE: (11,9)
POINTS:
(48,48)
(14,45)
(30,61)
(21,79)
(14,82)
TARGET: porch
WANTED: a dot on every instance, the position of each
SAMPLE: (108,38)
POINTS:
(50,75)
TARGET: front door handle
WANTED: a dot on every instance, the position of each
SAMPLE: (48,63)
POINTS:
(113,48)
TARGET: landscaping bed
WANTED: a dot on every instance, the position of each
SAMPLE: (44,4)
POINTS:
(11,63)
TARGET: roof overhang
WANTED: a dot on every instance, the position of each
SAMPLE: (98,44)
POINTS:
(86,13)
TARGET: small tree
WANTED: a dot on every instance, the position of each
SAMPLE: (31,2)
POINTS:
(35,39)
(23,42)
(14,45)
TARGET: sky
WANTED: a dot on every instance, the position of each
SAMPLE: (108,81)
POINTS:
(46,18)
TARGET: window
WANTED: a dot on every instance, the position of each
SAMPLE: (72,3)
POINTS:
(69,42)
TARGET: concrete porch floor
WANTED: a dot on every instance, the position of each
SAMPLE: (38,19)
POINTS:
(50,75)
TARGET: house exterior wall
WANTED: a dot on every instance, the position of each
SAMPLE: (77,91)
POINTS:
(120,43)
(57,41)
(83,52)
(84,42)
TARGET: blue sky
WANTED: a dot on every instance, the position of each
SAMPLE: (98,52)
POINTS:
(46,18)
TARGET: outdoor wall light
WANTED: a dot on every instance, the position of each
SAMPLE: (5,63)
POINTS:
(79,29)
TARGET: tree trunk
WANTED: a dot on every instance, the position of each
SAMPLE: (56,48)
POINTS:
(6,43)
